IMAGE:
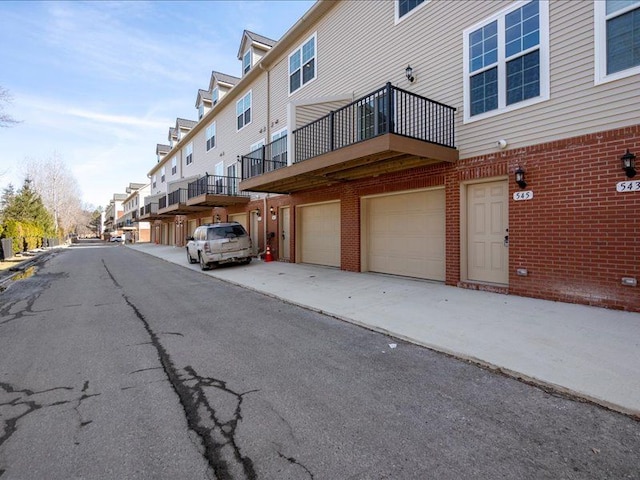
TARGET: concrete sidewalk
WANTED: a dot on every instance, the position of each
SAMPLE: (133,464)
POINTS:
(589,352)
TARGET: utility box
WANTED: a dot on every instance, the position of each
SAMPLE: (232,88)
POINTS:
(7,248)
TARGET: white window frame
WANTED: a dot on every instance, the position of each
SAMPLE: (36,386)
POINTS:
(246,68)
(201,110)
(502,94)
(600,44)
(162,175)
(249,93)
(188,154)
(399,18)
(275,136)
(215,96)
(154,181)
(174,166)
(314,36)
(210,145)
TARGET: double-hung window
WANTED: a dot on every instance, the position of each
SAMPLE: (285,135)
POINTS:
(406,7)
(302,65)
(188,154)
(162,175)
(154,181)
(174,166)
(617,39)
(506,60)
(243,111)
(246,62)
(214,96)
(211,136)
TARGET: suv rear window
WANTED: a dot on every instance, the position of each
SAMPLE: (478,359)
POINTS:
(230,231)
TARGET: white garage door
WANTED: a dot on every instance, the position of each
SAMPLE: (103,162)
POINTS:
(406,234)
(318,234)
(241,218)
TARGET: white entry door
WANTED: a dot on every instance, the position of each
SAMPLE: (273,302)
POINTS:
(285,236)
(488,230)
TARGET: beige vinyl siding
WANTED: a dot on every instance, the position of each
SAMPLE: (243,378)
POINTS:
(359,49)
(200,164)
(308,113)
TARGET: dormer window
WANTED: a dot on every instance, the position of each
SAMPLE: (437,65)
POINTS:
(215,95)
(246,62)
(201,111)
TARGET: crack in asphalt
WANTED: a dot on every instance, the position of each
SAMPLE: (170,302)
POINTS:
(23,401)
(217,436)
(293,461)
(13,296)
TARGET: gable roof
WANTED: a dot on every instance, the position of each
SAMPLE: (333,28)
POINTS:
(203,96)
(222,78)
(185,124)
(254,38)
(162,149)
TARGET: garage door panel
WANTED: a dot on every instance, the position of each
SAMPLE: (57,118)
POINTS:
(320,234)
(405,234)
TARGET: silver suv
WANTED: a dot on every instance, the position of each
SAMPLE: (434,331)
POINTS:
(216,243)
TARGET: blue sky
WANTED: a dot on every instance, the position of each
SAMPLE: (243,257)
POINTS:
(100,83)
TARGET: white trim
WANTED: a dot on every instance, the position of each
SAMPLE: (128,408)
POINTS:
(600,44)
(277,132)
(313,36)
(215,134)
(396,10)
(501,64)
(244,72)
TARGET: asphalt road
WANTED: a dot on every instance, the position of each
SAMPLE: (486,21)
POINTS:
(118,365)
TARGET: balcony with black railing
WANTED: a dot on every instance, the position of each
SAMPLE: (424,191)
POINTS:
(215,191)
(267,158)
(385,131)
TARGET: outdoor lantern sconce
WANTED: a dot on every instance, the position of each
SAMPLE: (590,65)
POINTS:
(629,164)
(258,215)
(409,73)
(520,178)
(272,211)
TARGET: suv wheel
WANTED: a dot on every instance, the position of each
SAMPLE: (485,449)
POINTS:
(203,264)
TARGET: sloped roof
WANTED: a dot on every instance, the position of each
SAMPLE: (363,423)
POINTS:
(254,38)
(173,133)
(162,149)
(222,78)
(184,123)
(203,96)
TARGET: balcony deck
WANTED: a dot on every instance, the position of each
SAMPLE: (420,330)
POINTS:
(215,191)
(387,131)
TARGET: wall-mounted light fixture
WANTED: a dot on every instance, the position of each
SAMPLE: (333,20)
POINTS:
(520,178)
(629,164)
(272,211)
(258,214)
(502,144)
(217,218)
(409,73)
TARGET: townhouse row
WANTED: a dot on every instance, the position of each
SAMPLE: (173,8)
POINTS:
(487,145)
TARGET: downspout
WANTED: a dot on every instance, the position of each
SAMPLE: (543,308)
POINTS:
(268,127)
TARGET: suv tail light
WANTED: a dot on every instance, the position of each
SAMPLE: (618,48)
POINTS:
(207,248)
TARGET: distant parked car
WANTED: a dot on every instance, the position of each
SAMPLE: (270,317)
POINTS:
(117,238)
(217,243)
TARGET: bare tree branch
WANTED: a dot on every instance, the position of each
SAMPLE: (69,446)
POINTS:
(6,120)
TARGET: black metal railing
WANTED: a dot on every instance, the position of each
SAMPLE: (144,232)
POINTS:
(162,202)
(177,197)
(142,211)
(387,110)
(267,158)
(151,208)
(214,185)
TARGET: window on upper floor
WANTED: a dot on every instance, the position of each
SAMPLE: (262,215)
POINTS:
(174,166)
(246,62)
(302,65)
(506,60)
(211,136)
(153,181)
(188,154)
(162,175)
(200,110)
(243,111)
(215,95)
(617,39)
(407,7)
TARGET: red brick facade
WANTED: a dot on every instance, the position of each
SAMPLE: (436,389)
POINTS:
(577,238)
